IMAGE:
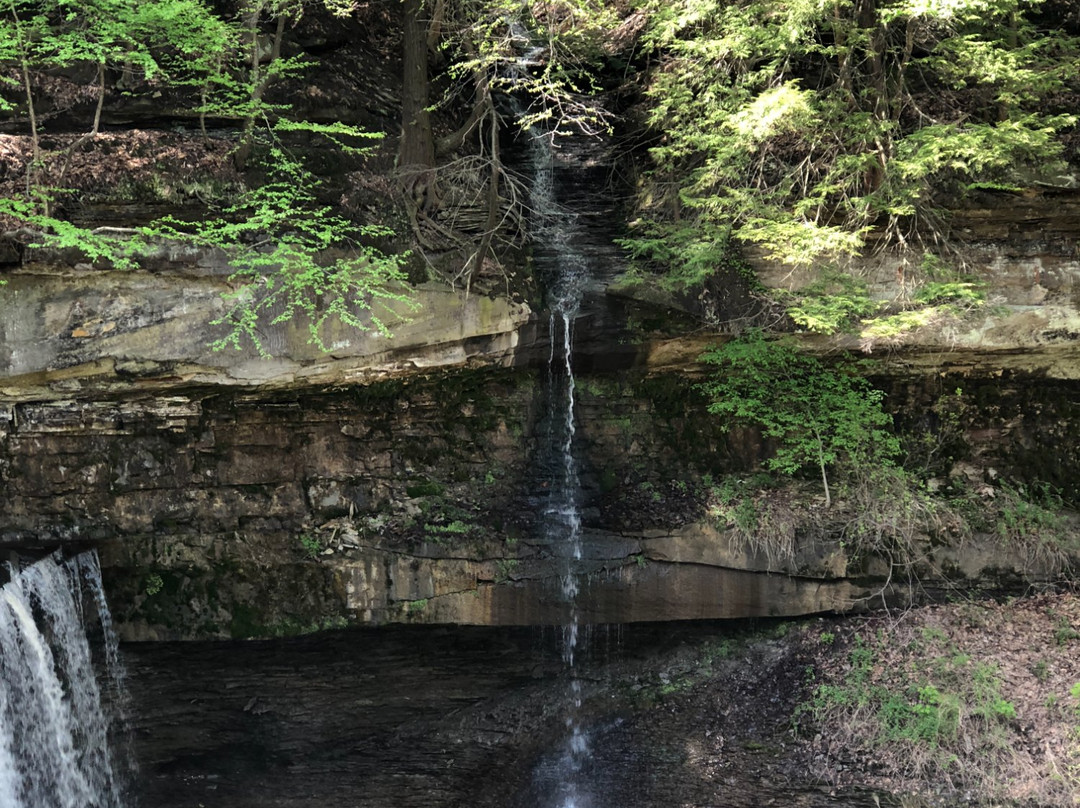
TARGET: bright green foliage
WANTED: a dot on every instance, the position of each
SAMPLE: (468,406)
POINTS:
(940,295)
(817,416)
(836,302)
(62,33)
(962,292)
(693,253)
(10,48)
(161,41)
(276,237)
(342,135)
(311,545)
(799,125)
(1029,518)
(154,584)
(155,44)
(927,716)
(1029,513)
(489,37)
(63,235)
(294,258)
(190,45)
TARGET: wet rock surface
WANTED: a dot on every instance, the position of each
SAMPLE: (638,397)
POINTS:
(362,718)
(701,715)
(437,717)
(415,500)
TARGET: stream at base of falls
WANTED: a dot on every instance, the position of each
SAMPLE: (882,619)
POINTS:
(446,717)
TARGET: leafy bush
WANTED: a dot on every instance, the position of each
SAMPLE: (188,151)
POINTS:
(312,545)
(797,127)
(817,416)
(836,302)
(276,237)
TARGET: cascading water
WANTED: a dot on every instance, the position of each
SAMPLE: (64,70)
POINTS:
(54,729)
(565,271)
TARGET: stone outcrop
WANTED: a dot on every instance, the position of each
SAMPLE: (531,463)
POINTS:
(1021,248)
(81,333)
(251,513)
(395,477)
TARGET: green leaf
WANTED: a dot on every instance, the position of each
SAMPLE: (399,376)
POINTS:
(815,415)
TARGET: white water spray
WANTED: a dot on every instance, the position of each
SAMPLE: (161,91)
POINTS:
(54,746)
(555,232)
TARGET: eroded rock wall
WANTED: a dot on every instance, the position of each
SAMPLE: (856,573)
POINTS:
(222,513)
(399,478)
(79,333)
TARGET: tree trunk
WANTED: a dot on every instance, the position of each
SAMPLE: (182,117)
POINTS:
(843,52)
(260,81)
(416,150)
(482,104)
(94,129)
(821,465)
(1012,39)
(494,198)
(866,17)
(435,26)
(35,138)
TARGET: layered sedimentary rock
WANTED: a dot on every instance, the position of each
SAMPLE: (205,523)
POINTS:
(80,333)
(395,478)
(227,513)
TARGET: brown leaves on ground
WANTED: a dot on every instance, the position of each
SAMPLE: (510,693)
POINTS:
(135,157)
(1017,733)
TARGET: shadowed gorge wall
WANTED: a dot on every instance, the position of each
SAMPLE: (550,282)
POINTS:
(229,514)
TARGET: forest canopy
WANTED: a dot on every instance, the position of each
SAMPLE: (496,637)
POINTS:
(804,130)
(801,127)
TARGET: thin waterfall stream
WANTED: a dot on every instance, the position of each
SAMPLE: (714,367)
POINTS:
(566,273)
(55,719)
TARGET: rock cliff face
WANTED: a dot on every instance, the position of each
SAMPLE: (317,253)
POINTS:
(84,333)
(233,514)
(394,479)
(1022,247)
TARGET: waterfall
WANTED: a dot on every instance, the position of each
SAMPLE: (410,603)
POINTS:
(565,272)
(54,744)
